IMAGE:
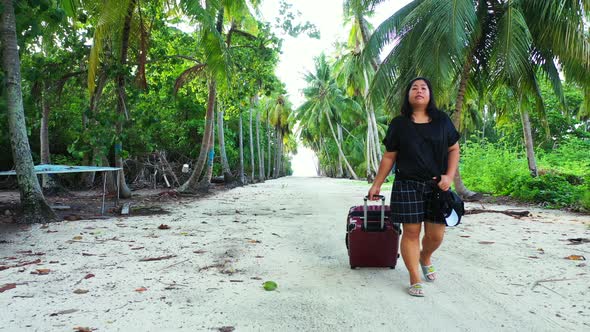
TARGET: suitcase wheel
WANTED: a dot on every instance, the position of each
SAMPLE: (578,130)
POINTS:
(353,267)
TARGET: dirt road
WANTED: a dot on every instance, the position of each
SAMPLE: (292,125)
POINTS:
(496,273)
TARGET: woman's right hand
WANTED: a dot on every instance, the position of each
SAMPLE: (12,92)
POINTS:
(373,192)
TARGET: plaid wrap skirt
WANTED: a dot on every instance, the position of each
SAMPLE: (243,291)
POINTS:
(412,202)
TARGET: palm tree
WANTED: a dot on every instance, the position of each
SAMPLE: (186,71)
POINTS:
(279,114)
(454,41)
(227,176)
(35,208)
(253,105)
(324,102)
(217,57)
(260,148)
(113,34)
(354,72)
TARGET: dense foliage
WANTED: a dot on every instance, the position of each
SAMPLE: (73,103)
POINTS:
(127,81)
(132,79)
(524,121)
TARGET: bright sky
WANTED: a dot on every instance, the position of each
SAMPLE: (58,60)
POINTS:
(298,53)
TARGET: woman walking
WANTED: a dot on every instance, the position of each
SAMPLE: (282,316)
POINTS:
(423,144)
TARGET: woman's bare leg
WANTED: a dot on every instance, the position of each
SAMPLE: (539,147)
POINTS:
(410,248)
(433,237)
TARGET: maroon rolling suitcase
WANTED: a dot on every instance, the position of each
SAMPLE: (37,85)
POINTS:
(371,238)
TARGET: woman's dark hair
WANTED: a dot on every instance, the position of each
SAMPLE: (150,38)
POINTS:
(407,108)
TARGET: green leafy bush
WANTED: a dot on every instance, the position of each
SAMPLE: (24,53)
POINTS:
(551,189)
(491,168)
(498,169)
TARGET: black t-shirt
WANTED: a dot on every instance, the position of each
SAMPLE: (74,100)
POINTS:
(421,147)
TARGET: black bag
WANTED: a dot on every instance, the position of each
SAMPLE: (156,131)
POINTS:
(451,206)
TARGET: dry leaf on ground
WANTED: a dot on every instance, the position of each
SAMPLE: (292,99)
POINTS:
(64,312)
(83,329)
(6,287)
(41,271)
(579,240)
(149,259)
(576,257)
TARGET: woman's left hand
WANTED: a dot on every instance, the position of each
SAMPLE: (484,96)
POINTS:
(445,182)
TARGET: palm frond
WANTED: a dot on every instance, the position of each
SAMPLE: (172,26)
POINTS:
(389,31)
(187,76)
(513,47)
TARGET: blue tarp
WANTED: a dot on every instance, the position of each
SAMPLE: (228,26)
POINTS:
(54,169)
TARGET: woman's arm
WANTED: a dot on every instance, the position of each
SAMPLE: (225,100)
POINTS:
(385,167)
(453,163)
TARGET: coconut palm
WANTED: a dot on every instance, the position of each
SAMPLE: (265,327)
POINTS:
(227,175)
(217,64)
(324,102)
(280,110)
(35,208)
(113,35)
(354,72)
(453,41)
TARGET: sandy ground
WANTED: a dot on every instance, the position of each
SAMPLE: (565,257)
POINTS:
(496,273)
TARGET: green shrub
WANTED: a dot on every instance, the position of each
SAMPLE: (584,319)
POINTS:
(585,194)
(550,189)
(501,169)
(572,156)
(491,168)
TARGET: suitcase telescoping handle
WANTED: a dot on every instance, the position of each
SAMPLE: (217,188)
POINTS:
(382,210)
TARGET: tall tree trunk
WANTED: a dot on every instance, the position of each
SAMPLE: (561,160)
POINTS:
(48,182)
(124,190)
(281,147)
(111,181)
(368,157)
(528,141)
(279,138)
(227,176)
(191,184)
(252,104)
(365,35)
(340,171)
(375,152)
(326,171)
(205,182)
(375,131)
(35,208)
(260,150)
(268,134)
(350,170)
(242,177)
(456,118)
(95,158)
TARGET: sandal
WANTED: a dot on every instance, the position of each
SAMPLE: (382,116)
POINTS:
(429,272)
(416,290)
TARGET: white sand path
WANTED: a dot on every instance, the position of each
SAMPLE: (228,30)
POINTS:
(291,231)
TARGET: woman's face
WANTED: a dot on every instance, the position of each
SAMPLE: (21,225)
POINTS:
(419,94)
